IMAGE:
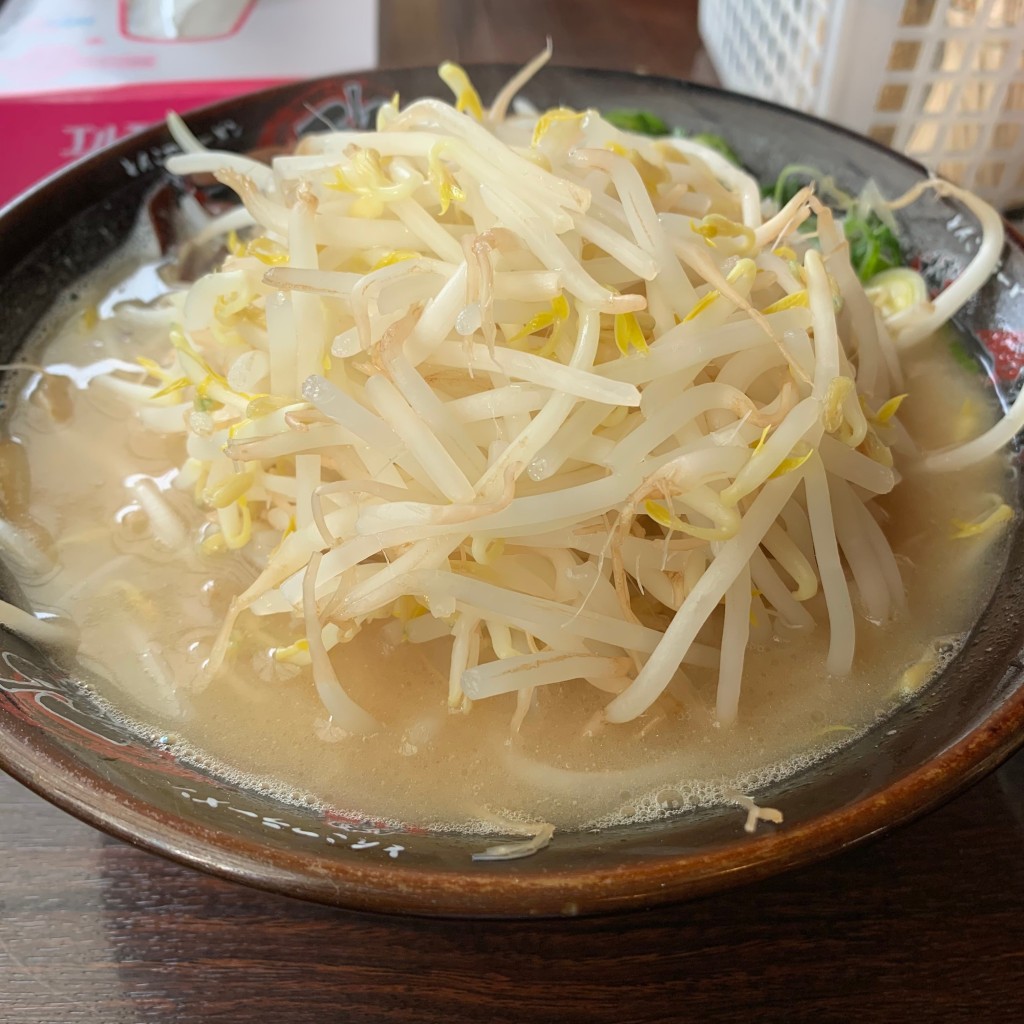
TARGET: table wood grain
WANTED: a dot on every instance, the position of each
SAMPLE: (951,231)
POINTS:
(924,925)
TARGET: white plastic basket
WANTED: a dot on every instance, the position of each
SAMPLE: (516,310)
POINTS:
(941,80)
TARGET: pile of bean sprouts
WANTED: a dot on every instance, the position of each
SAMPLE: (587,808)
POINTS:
(563,393)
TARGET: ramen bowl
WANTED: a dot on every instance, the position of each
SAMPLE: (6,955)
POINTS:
(65,745)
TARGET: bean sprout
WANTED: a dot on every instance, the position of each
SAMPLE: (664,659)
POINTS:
(501,367)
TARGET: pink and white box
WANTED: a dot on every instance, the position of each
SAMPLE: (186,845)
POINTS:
(75,75)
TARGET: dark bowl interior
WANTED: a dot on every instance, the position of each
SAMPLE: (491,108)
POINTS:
(56,740)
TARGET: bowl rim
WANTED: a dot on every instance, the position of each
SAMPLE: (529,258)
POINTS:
(502,892)
(391,888)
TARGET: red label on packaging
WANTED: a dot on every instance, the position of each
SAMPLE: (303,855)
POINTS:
(58,128)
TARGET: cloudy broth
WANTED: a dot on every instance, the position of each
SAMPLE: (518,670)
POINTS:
(148,617)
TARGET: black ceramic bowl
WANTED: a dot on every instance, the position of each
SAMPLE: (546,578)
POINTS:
(57,741)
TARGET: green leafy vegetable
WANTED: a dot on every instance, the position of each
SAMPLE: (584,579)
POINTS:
(642,121)
(873,246)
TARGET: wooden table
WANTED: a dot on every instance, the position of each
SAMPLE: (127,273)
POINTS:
(925,925)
